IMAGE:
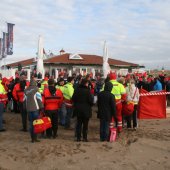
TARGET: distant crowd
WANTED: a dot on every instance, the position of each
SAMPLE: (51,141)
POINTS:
(74,97)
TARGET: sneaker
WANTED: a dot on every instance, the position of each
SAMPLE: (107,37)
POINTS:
(2,130)
(55,136)
(135,128)
(85,140)
(36,140)
(78,140)
(24,130)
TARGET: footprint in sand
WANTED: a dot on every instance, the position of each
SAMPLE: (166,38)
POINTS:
(71,162)
(130,141)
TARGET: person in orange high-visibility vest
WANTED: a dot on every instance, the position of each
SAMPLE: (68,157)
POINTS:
(53,99)
(120,94)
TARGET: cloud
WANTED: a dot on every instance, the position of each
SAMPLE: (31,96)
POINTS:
(135,31)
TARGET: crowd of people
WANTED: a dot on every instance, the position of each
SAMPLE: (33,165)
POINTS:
(75,97)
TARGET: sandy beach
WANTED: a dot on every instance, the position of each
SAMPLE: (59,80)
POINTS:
(147,148)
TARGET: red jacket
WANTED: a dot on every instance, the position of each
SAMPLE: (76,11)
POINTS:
(17,93)
(52,102)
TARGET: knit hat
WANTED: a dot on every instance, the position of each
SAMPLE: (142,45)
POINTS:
(46,78)
(60,80)
(69,79)
(112,76)
(22,78)
(51,82)
(33,83)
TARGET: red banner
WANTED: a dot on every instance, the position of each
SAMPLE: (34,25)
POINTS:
(152,107)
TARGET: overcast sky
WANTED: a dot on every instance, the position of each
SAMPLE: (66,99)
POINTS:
(135,30)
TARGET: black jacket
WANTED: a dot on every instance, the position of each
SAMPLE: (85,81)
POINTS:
(106,103)
(83,101)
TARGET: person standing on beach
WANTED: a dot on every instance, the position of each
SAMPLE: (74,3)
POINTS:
(53,100)
(68,93)
(132,96)
(83,102)
(106,110)
(120,94)
(62,110)
(34,104)
(3,101)
(18,94)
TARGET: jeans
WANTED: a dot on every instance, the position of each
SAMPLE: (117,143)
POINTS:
(1,115)
(33,116)
(23,111)
(61,114)
(104,130)
(68,117)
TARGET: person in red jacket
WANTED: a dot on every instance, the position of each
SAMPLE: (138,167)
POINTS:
(18,94)
(53,99)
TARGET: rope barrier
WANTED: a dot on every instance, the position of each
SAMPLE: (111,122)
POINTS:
(154,93)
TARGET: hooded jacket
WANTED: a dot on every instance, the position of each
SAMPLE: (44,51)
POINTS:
(106,103)
(83,102)
(33,98)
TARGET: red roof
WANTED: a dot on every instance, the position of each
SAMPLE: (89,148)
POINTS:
(22,62)
(86,60)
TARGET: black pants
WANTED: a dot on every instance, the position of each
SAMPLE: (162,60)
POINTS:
(82,123)
(134,117)
(53,114)
(24,115)
(15,106)
(104,130)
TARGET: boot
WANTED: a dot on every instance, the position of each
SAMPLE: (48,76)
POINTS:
(32,138)
(85,137)
(35,139)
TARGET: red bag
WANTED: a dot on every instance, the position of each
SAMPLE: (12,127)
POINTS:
(38,126)
(47,122)
(128,108)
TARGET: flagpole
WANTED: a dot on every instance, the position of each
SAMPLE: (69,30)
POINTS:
(40,64)
(106,67)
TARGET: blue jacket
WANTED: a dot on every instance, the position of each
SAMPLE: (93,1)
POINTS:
(157,86)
